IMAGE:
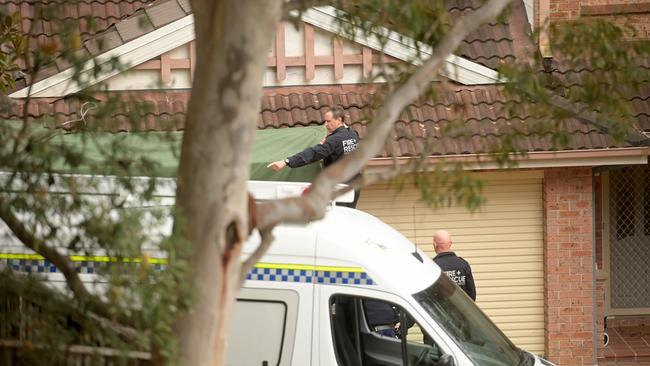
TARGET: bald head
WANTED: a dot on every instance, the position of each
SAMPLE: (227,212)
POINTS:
(442,241)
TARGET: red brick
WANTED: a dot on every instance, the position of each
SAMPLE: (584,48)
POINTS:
(568,269)
(581,253)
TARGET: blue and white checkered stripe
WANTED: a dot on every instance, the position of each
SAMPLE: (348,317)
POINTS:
(344,278)
(309,276)
(278,272)
(45,266)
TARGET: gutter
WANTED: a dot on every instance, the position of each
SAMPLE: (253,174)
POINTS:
(545,159)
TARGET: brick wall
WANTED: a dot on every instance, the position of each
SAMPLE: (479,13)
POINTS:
(564,9)
(636,13)
(568,256)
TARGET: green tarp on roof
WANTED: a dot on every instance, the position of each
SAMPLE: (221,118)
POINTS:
(163,147)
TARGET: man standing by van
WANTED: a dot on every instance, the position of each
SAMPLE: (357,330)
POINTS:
(340,141)
(455,267)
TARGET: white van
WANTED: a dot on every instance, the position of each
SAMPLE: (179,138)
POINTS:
(305,303)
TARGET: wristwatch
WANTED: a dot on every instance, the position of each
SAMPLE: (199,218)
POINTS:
(286,161)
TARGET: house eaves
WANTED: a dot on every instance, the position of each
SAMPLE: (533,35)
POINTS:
(403,48)
(181,31)
(135,52)
(533,160)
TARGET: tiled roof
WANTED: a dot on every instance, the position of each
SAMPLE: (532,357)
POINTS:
(493,43)
(44,20)
(89,16)
(103,24)
(117,22)
(482,110)
(572,77)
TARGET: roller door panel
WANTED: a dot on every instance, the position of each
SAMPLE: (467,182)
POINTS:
(503,241)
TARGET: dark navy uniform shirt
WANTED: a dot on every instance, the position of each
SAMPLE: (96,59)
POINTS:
(458,270)
(380,313)
(342,141)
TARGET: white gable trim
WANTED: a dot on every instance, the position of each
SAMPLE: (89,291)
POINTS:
(181,31)
(403,48)
(135,52)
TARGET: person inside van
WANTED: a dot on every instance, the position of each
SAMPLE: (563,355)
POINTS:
(382,317)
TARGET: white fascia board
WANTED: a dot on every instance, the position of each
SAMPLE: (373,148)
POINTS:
(404,48)
(132,53)
(534,160)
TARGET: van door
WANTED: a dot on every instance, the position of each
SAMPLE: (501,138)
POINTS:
(287,267)
(352,334)
(263,328)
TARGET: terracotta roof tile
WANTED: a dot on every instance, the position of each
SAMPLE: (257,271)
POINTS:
(480,123)
(104,42)
(134,26)
(164,12)
(185,4)
(80,54)
(116,22)
(491,43)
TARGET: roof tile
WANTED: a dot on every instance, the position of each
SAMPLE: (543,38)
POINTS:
(134,26)
(185,4)
(104,42)
(161,13)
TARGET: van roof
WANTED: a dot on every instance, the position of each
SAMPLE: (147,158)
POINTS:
(346,247)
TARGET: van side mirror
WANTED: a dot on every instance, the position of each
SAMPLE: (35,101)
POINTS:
(446,360)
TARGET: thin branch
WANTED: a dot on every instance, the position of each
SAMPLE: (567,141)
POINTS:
(120,329)
(36,68)
(312,205)
(266,235)
(61,262)
(78,349)
(591,118)
(291,6)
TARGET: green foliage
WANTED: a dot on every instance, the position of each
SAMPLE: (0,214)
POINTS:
(121,217)
(45,319)
(597,71)
(111,211)
(12,44)
(596,68)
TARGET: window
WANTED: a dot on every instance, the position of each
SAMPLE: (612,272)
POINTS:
(371,332)
(256,333)
(468,326)
(262,328)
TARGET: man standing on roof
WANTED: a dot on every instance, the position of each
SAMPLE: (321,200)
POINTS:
(455,267)
(340,141)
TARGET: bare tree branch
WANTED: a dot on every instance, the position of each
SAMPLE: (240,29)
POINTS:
(636,138)
(38,11)
(61,262)
(313,204)
(291,6)
(266,235)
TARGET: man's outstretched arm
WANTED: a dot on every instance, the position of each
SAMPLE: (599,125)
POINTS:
(307,156)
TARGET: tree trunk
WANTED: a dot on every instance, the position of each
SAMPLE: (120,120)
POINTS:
(233,40)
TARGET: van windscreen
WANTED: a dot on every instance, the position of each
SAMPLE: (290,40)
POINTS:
(468,326)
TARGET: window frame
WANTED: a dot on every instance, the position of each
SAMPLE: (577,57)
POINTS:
(290,300)
(438,336)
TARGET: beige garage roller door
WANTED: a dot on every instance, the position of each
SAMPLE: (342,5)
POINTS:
(502,242)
